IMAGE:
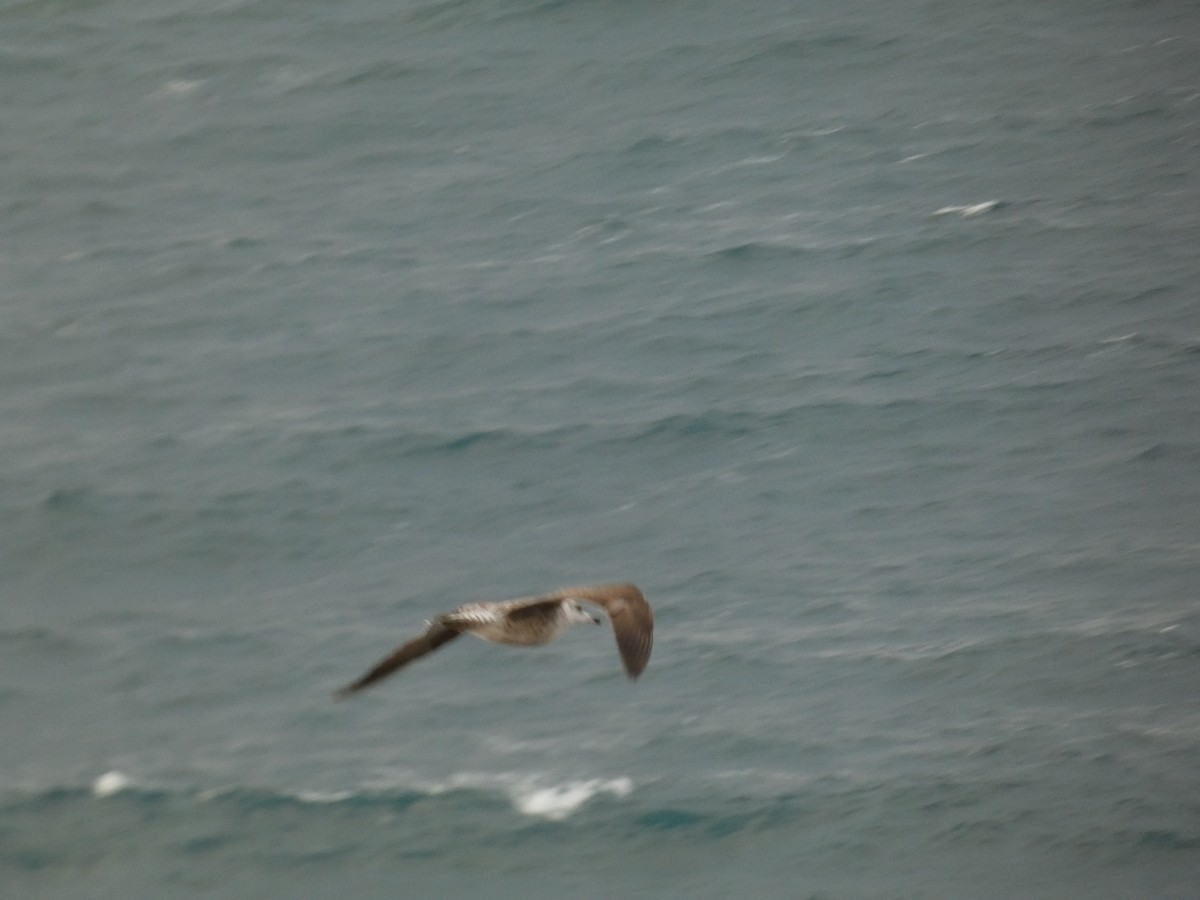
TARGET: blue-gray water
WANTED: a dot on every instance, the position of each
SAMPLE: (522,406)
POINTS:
(863,336)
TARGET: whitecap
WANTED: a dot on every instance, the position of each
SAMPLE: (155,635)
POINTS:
(310,796)
(529,794)
(973,209)
(111,783)
(558,802)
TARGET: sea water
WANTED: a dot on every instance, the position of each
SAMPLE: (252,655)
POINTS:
(862,336)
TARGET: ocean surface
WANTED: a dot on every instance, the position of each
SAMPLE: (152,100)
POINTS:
(864,337)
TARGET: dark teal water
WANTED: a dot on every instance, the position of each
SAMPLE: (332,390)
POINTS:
(863,337)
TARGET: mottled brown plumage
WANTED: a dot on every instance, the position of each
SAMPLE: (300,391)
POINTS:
(531,621)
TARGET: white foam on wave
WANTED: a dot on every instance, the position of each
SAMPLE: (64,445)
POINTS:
(530,795)
(558,802)
(536,795)
(111,783)
(973,209)
(309,796)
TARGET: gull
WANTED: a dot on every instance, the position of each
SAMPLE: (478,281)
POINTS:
(529,621)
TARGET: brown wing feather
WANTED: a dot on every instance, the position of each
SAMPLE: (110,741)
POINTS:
(632,620)
(435,635)
(526,610)
(635,640)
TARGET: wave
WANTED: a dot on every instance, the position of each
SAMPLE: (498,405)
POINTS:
(530,795)
(969,210)
(967,805)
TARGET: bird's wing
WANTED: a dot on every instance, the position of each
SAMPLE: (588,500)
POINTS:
(632,620)
(543,608)
(434,636)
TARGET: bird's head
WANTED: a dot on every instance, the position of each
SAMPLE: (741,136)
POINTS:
(576,614)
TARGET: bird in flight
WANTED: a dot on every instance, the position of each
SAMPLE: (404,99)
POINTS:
(529,621)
